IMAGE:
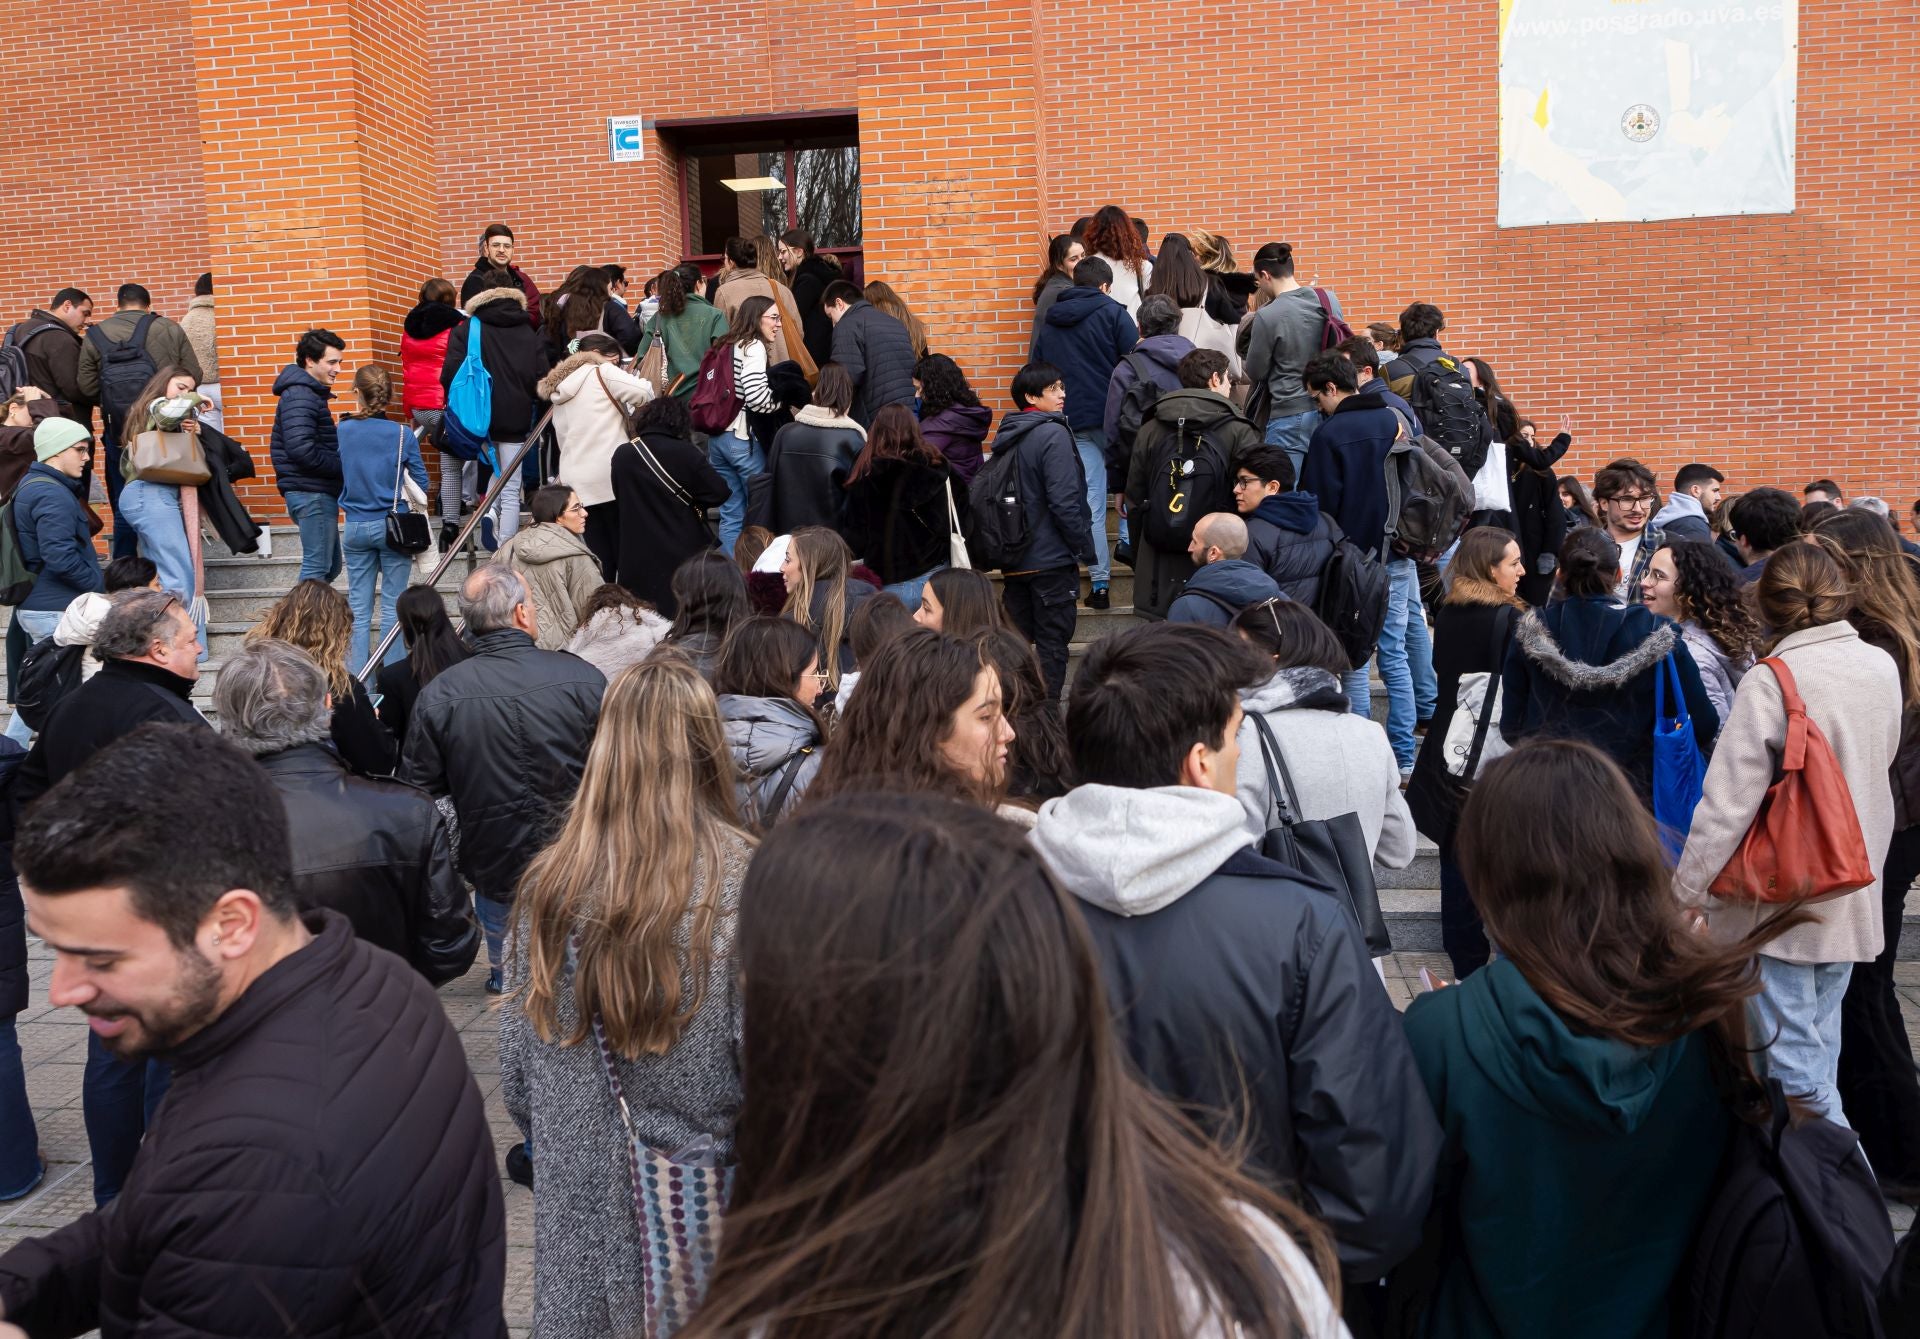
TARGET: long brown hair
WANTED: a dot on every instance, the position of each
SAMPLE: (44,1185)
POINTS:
(1568,872)
(374,387)
(898,716)
(1711,595)
(1886,595)
(894,435)
(1039,762)
(139,416)
(649,839)
(942,1134)
(821,561)
(1801,587)
(585,291)
(969,603)
(882,296)
(746,322)
(316,618)
(1112,236)
(1470,577)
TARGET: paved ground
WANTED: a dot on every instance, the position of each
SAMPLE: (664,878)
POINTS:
(54,1045)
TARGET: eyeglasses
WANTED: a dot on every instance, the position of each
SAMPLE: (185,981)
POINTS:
(1246,481)
(1635,501)
(579,507)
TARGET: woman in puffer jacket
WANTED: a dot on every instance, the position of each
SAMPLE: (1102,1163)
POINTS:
(561,572)
(423,351)
(617,630)
(593,400)
(768,679)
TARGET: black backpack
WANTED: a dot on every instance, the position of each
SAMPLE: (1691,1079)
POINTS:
(997,532)
(48,672)
(1443,397)
(14,372)
(1429,497)
(1353,598)
(124,369)
(1136,407)
(1794,1242)
(1187,477)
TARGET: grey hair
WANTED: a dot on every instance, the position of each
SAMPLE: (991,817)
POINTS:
(490,595)
(136,621)
(1877,506)
(1159,315)
(271,696)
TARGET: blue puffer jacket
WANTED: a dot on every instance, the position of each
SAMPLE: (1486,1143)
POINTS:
(305,444)
(1085,335)
(1290,539)
(1053,490)
(51,523)
(1218,591)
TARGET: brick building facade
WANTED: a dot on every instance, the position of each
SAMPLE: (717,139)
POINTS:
(323,158)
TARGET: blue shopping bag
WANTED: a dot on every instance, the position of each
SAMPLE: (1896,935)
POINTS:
(1678,769)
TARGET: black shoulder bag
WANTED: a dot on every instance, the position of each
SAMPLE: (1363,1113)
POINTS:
(1435,796)
(407,530)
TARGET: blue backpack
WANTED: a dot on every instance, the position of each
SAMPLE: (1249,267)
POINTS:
(1679,772)
(469,416)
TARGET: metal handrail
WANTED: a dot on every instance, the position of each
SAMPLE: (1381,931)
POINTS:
(462,540)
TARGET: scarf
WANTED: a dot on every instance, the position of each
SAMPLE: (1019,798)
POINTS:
(1302,688)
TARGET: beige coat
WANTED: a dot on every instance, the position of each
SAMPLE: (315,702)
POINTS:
(744,284)
(198,323)
(562,575)
(587,422)
(1852,692)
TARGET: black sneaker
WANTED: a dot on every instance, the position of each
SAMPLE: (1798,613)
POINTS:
(495,986)
(1124,554)
(520,1165)
(449,531)
(1099,599)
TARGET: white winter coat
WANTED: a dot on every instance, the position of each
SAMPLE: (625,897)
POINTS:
(587,421)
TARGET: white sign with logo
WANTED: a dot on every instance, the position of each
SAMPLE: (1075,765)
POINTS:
(626,142)
(1615,111)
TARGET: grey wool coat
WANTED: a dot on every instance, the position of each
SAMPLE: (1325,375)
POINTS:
(586,1242)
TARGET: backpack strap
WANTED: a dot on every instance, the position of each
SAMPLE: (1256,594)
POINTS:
(1232,610)
(788,774)
(1497,640)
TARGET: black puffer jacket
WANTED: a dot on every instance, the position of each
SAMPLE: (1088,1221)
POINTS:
(321,1166)
(810,279)
(377,853)
(515,353)
(877,352)
(305,443)
(505,733)
(896,520)
(1290,539)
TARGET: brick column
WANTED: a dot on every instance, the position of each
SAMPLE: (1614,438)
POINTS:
(318,158)
(950,173)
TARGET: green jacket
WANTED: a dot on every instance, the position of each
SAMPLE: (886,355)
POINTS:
(1574,1173)
(689,335)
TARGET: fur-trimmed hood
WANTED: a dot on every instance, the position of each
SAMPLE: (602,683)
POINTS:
(1627,655)
(473,304)
(565,368)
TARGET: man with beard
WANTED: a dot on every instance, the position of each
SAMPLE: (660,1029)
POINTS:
(322,1162)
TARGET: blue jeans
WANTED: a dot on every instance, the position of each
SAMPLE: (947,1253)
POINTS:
(317,515)
(125,544)
(909,590)
(37,624)
(495,919)
(117,1100)
(507,506)
(153,512)
(736,460)
(1406,660)
(20,1166)
(368,558)
(1093,460)
(1291,433)
(1796,1016)
(1359,691)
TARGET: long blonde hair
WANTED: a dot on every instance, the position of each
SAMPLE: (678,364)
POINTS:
(821,558)
(1886,595)
(316,618)
(648,839)
(1470,574)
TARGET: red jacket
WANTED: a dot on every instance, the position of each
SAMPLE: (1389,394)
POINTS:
(423,348)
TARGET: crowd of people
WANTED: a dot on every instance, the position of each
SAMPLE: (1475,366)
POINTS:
(850,981)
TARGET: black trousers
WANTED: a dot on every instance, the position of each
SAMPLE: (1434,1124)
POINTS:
(1878,1087)
(603,536)
(1461,933)
(1041,605)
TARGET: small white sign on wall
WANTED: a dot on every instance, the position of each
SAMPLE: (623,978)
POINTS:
(625,142)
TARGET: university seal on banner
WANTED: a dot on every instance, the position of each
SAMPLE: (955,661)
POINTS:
(1640,123)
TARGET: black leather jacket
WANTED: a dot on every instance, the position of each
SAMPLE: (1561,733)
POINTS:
(377,853)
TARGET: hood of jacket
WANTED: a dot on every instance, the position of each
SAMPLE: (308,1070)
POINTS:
(508,306)
(429,319)
(1600,647)
(1016,427)
(966,422)
(1165,350)
(570,376)
(1077,304)
(543,542)
(1301,688)
(764,732)
(1298,512)
(1133,852)
(1679,507)
(1200,408)
(295,377)
(615,638)
(81,620)
(1234,580)
(1535,1060)
(819,416)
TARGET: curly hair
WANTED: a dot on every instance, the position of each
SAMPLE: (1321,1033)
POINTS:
(1710,595)
(942,385)
(316,618)
(1112,236)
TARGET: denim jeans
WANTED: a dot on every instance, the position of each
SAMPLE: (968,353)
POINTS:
(909,590)
(1291,433)
(1358,687)
(495,920)
(365,545)
(1093,461)
(153,511)
(117,1100)
(1796,1016)
(1406,660)
(318,517)
(736,460)
(38,624)
(506,507)
(125,543)
(20,1167)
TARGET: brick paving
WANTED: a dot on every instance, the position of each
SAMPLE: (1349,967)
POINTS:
(53,1043)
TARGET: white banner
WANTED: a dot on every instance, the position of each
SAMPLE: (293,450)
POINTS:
(1615,111)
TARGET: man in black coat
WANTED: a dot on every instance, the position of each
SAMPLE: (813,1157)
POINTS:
(321,1163)
(375,851)
(516,357)
(875,349)
(505,733)
(1239,985)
